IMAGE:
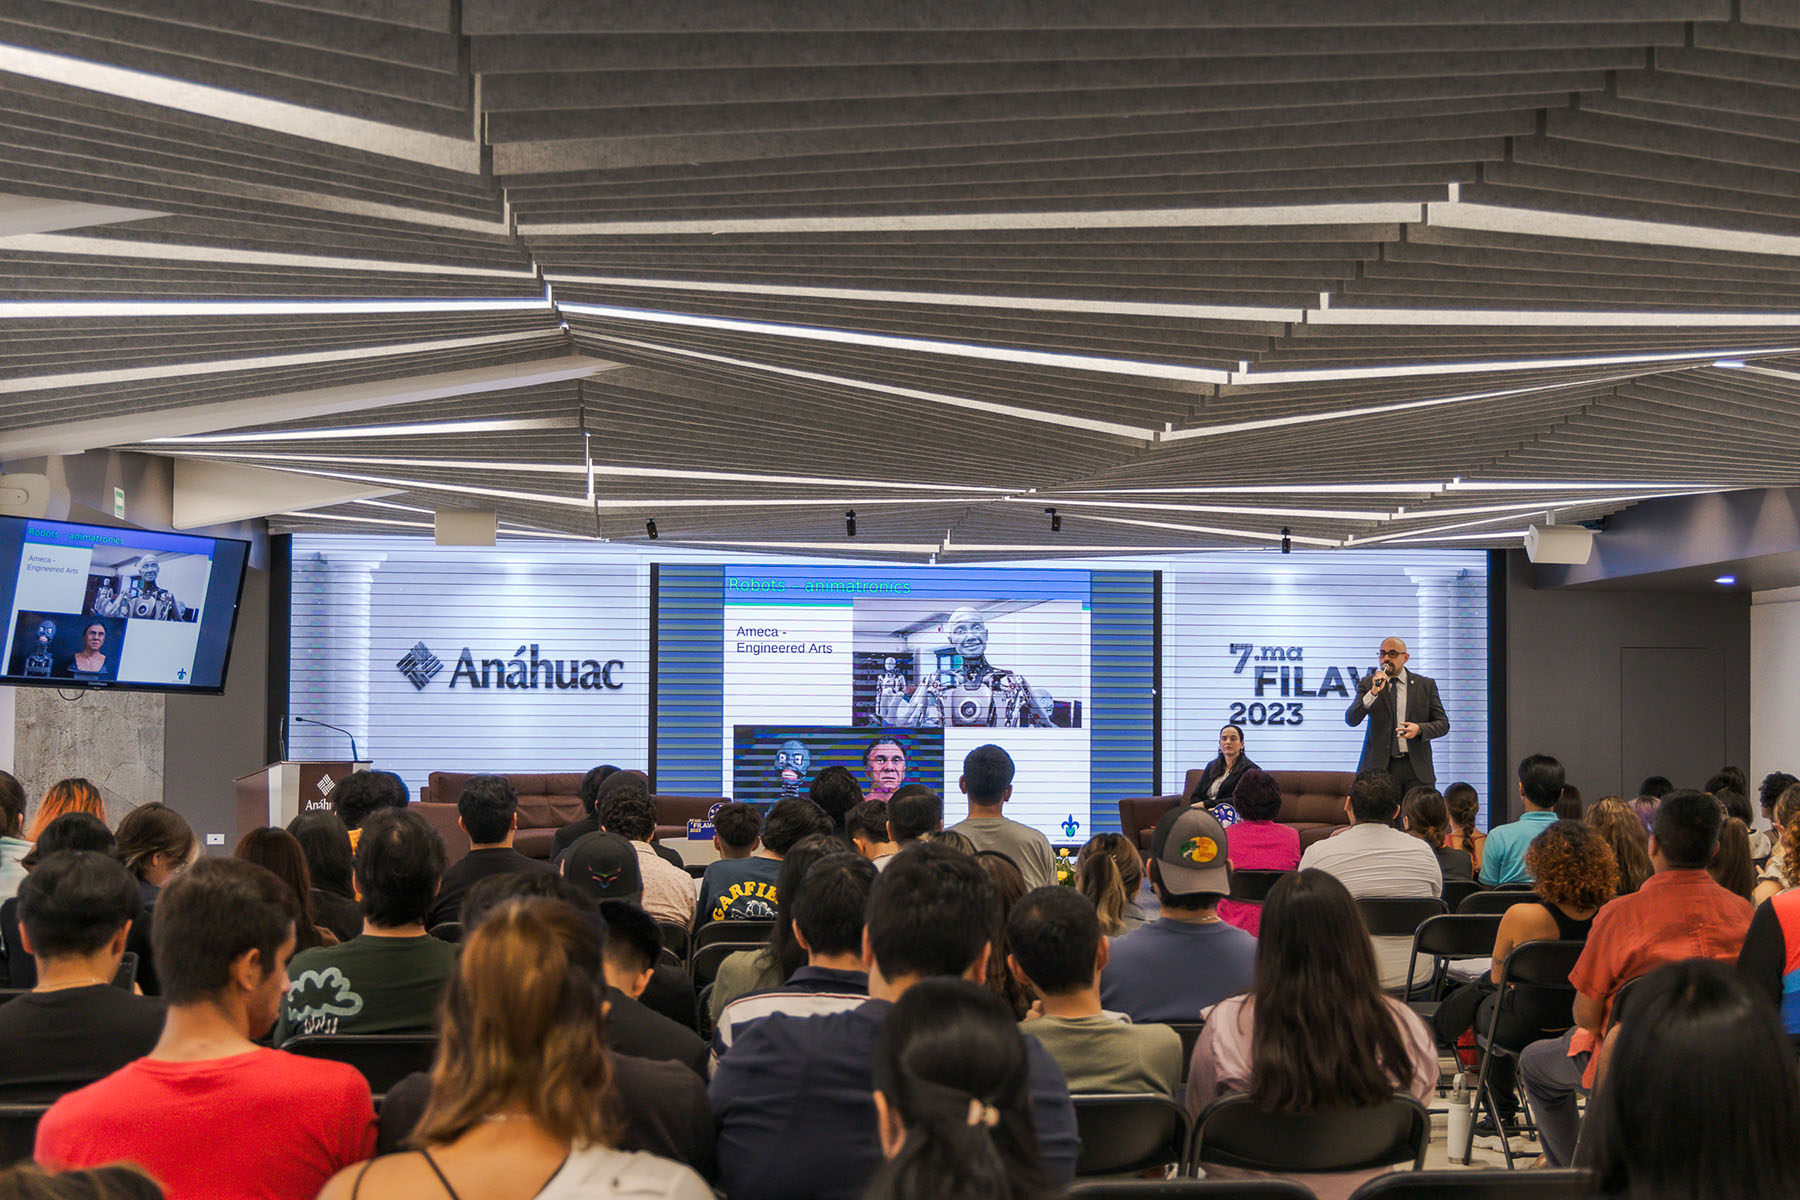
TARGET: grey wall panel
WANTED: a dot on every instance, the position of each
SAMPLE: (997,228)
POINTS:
(1565,659)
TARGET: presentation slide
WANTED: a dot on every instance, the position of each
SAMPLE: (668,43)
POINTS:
(94,605)
(823,663)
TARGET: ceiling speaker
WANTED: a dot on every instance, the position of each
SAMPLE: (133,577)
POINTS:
(1569,544)
(24,495)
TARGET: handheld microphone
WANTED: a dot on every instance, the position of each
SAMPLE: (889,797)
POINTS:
(354,756)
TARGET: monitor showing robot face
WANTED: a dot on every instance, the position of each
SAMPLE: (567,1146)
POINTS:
(891,656)
(95,606)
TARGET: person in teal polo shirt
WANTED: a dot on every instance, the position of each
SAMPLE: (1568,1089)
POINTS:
(1540,786)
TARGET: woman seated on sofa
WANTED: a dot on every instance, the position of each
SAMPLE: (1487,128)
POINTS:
(1223,774)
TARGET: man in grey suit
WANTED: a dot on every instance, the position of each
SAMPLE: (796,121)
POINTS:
(1404,714)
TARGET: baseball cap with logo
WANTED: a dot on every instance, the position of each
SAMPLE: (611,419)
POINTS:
(1189,850)
(603,865)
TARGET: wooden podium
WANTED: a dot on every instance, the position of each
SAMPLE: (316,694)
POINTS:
(282,791)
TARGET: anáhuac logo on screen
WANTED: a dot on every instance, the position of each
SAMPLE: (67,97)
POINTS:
(521,672)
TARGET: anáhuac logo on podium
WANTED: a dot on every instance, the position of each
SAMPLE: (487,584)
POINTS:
(525,670)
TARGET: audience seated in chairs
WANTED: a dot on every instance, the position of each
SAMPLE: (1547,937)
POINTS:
(13,846)
(224,931)
(1424,814)
(867,827)
(660,1101)
(1315,1033)
(740,886)
(1575,871)
(626,810)
(1699,1096)
(589,792)
(487,809)
(75,1026)
(1056,951)
(1109,871)
(834,791)
(76,829)
(389,978)
(828,925)
(1258,842)
(930,914)
(953,1098)
(1375,860)
(1541,781)
(1010,884)
(986,780)
(155,843)
(642,971)
(1187,960)
(631,1028)
(361,794)
(1626,836)
(330,864)
(773,964)
(521,1099)
(1464,804)
(1782,871)
(1731,866)
(603,868)
(914,810)
(1678,913)
(279,851)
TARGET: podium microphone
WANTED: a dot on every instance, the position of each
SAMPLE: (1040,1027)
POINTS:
(354,756)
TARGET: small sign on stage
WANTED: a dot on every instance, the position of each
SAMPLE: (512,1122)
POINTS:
(699,830)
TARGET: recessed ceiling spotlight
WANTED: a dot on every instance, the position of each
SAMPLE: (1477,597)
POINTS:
(1726,580)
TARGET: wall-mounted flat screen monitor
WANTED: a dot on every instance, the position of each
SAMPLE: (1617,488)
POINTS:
(96,606)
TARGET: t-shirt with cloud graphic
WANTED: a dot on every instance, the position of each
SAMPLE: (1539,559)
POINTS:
(366,985)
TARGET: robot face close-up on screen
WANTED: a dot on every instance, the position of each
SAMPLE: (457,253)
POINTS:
(791,761)
(967,633)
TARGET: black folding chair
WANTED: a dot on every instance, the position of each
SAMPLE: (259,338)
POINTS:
(705,965)
(1544,968)
(1252,887)
(18,1131)
(1126,1134)
(383,1058)
(1234,1132)
(1189,1189)
(1399,916)
(12,993)
(739,933)
(1190,1033)
(697,870)
(1444,937)
(1478,1185)
(675,939)
(447,931)
(1496,901)
(1458,890)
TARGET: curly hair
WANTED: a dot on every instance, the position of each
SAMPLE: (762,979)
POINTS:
(1787,837)
(1573,866)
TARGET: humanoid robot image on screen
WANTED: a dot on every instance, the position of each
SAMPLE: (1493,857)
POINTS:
(968,689)
(141,597)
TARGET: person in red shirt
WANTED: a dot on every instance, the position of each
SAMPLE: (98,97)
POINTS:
(1678,913)
(208,1113)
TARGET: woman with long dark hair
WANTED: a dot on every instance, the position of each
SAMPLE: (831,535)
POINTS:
(1220,778)
(1009,881)
(155,843)
(953,1098)
(279,851)
(521,1092)
(1315,1033)
(1698,1099)
(330,863)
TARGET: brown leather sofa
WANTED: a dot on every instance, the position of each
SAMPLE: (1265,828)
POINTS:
(1311,801)
(547,802)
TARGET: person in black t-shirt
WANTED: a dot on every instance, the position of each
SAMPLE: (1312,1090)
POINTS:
(488,811)
(74,1027)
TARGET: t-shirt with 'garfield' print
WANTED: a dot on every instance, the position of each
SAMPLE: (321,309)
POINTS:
(739,889)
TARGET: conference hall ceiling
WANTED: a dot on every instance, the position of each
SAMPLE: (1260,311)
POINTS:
(1378,272)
